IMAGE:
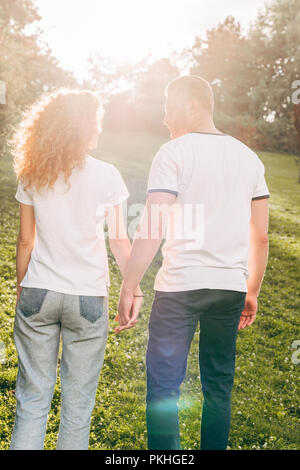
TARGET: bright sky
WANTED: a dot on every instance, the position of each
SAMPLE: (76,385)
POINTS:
(126,30)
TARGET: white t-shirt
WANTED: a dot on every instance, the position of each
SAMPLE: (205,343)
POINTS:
(215,177)
(69,254)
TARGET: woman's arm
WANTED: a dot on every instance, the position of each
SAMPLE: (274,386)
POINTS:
(118,239)
(121,249)
(25,242)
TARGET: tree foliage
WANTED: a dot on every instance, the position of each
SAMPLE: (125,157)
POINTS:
(135,94)
(276,39)
(27,67)
(251,72)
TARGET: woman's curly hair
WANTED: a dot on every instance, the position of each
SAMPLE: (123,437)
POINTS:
(54,137)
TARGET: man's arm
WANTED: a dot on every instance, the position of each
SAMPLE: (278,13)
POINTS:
(25,242)
(259,245)
(258,257)
(145,246)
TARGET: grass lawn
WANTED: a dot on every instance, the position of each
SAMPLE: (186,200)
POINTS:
(265,401)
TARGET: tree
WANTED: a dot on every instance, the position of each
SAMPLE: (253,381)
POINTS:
(252,76)
(276,35)
(27,67)
(108,78)
(150,93)
(224,59)
(134,94)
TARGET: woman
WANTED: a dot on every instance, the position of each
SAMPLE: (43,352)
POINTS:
(62,269)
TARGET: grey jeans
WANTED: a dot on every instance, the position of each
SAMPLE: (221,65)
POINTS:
(42,318)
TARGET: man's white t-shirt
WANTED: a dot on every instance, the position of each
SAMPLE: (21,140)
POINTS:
(69,253)
(215,178)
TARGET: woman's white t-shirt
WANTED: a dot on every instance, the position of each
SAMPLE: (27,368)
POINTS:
(69,253)
(217,177)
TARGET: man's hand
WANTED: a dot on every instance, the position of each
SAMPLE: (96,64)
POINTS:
(128,310)
(249,313)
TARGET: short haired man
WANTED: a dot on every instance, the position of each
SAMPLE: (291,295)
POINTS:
(204,276)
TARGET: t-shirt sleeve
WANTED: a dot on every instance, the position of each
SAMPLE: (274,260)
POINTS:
(163,176)
(117,192)
(261,190)
(23,195)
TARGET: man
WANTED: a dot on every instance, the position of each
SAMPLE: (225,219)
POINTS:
(204,276)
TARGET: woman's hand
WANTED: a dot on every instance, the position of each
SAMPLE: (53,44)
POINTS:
(19,290)
(128,309)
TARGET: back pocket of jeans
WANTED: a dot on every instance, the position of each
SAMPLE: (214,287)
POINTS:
(31,300)
(91,307)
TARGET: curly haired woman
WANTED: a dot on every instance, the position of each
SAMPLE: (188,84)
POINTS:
(62,268)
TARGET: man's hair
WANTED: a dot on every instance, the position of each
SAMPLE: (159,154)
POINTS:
(189,87)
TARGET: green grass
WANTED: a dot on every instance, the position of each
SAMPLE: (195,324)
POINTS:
(265,401)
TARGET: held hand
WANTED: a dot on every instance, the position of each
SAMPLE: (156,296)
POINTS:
(249,313)
(128,320)
(124,307)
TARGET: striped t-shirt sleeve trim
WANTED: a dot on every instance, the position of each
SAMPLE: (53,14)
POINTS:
(261,197)
(163,191)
